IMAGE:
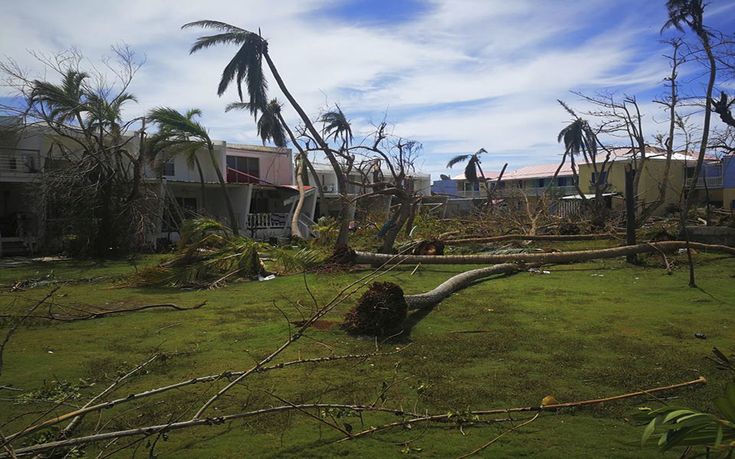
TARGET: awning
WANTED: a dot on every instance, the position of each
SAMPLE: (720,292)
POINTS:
(588,196)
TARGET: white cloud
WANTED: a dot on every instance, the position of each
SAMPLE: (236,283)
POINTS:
(460,75)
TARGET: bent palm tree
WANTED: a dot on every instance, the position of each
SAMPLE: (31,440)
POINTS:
(179,125)
(269,124)
(272,126)
(690,13)
(473,172)
(337,127)
(175,144)
(246,66)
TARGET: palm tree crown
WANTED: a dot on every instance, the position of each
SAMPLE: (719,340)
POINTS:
(244,66)
(689,12)
(473,164)
(269,124)
(336,125)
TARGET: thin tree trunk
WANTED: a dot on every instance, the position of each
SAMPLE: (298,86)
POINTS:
(630,225)
(705,131)
(344,215)
(400,217)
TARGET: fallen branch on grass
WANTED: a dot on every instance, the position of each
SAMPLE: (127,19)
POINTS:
(486,445)
(447,416)
(542,258)
(202,379)
(20,320)
(108,312)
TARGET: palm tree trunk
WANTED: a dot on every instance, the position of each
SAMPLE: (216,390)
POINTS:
(458,282)
(295,229)
(545,258)
(304,157)
(342,239)
(202,187)
(223,186)
(526,237)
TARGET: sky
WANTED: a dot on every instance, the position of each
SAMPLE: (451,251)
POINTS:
(455,75)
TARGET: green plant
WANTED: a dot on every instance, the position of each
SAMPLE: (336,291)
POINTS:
(677,426)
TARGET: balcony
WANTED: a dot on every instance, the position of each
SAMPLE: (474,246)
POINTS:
(536,191)
(714,181)
(267,221)
(19,164)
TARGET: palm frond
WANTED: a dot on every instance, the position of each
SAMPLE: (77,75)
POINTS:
(457,159)
(336,125)
(177,124)
(216,25)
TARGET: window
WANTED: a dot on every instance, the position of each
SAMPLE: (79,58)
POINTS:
(187,204)
(562,181)
(168,169)
(541,183)
(249,168)
(602,180)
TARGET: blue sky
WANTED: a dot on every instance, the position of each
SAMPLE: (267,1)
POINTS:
(455,75)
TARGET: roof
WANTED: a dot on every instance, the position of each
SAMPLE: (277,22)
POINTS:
(539,171)
(262,148)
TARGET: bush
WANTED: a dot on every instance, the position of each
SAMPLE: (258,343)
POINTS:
(381,311)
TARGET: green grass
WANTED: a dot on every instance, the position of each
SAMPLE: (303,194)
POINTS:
(583,331)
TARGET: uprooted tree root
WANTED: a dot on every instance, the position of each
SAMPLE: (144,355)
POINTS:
(380,311)
(383,308)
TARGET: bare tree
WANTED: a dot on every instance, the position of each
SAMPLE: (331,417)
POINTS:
(92,179)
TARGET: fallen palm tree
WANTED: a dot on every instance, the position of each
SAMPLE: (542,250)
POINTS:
(535,237)
(458,282)
(210,255)
(543,258)
(383,308)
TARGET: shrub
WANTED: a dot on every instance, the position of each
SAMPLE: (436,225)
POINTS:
(381,311)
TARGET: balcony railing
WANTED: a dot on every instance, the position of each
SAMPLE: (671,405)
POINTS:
(267,220)
(536,191)
(19,161)
(712,182)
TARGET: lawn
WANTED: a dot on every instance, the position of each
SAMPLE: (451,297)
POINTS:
(582,331)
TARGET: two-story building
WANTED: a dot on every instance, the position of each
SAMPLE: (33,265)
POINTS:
(359,184)
(259,181)
(531,181)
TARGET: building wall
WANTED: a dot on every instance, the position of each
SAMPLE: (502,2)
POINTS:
(276,167)
(728,182)
(651,177)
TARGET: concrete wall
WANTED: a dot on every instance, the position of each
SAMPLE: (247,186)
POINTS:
(652,176)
